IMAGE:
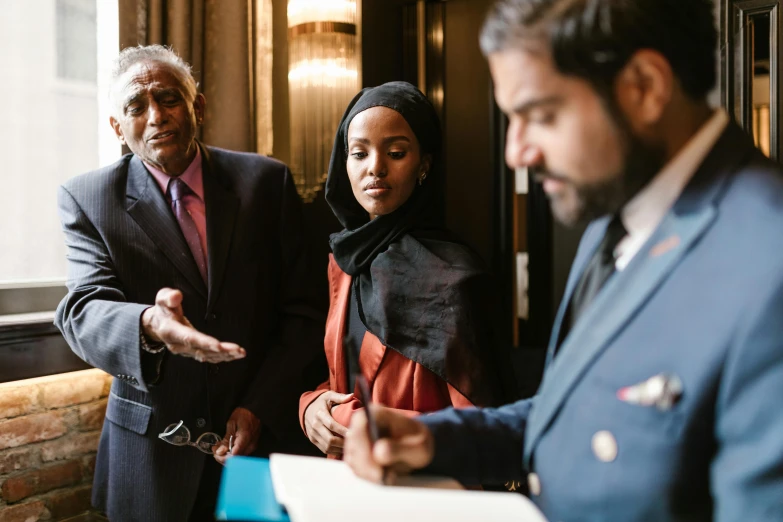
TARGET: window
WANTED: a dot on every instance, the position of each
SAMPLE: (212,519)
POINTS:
(54,126)
(77,42)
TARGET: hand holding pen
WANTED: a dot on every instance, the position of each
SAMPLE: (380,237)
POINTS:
(403,445)
(382,444)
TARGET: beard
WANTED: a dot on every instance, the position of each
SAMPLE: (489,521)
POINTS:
(583,202)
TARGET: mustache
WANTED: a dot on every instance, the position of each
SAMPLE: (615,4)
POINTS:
(540,174)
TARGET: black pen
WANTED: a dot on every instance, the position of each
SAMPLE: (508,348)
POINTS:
(372,425)
(352,350)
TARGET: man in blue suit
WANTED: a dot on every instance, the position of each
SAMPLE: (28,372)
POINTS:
(661,394)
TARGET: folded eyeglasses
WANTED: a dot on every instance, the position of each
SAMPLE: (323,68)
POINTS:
(179,435)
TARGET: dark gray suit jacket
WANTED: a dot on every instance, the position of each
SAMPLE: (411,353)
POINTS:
(123,245)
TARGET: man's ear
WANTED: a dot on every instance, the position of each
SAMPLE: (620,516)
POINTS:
(199,106)
(117,129)
(644,88)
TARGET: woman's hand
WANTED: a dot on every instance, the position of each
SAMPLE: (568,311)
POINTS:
(322,430)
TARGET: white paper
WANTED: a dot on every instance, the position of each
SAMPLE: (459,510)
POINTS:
(320,490)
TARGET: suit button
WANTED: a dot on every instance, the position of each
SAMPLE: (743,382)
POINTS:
(534,484)
(200,422)
(212,317)
(604,446)
(214,369)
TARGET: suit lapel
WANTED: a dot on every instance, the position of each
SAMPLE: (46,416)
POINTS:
(590,241)
(148,207)
(372,350)
(222,206)
(626,292)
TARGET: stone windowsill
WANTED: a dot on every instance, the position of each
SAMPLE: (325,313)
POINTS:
(27,319)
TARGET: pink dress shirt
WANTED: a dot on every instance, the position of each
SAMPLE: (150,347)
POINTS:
(194,179)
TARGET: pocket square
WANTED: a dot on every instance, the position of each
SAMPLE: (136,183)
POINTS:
(662,391)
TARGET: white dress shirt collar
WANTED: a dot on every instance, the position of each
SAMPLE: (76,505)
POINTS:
(642,215)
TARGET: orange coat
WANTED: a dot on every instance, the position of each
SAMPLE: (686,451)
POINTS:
(394,381)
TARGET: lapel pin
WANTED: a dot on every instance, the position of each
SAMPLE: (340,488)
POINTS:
(664,246)
(662,391)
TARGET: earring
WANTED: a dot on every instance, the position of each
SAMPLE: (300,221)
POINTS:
(422,178)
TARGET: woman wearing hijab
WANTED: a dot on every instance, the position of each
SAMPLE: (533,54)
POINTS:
(409,305)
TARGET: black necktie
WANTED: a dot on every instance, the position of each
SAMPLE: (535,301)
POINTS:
(598,271)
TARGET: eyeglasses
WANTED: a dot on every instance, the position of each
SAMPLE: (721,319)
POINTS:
(179,435)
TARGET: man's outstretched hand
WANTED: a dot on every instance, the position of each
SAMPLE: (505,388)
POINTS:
(165,322)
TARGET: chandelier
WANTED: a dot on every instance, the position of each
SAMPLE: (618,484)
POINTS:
(323,76)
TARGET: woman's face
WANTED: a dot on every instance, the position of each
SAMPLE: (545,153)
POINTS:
(384,161)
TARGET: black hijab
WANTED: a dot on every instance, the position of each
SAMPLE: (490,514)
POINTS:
(421,292)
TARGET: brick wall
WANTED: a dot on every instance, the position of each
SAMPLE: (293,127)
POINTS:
(49,431)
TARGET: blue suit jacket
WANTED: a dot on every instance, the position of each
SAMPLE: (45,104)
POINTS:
(702,300)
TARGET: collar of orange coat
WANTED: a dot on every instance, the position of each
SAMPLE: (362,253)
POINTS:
(372,350)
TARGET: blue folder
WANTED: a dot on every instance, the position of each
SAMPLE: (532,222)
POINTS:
(246,493)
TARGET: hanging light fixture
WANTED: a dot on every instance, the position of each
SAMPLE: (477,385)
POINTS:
(323,76)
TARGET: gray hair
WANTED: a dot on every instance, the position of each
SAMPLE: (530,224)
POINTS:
(130,56)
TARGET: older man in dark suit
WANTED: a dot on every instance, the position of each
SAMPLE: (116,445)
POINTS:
(189,283)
